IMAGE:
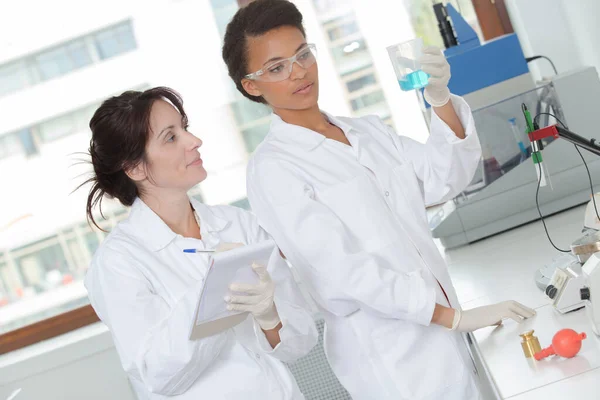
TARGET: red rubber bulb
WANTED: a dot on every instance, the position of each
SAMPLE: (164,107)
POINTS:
(566,343)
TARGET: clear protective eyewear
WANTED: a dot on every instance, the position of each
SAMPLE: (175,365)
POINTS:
(282,69)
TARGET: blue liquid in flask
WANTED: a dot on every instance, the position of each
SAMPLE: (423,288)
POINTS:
(414,80)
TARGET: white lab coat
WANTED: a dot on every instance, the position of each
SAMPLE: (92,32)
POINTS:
(352,221)
(145,288)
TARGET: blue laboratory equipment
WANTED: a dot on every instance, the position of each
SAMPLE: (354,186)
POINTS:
(481,73)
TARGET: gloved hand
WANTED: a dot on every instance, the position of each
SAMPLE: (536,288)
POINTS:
(480,317)
(435,64)
(256,299)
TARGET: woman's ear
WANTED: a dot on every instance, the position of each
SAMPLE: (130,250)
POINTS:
(137,173)
(250,87)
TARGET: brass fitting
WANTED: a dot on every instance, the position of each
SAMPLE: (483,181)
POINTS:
(530,344)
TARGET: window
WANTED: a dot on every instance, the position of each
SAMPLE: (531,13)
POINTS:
(115,41)
(91,241)
(223,10)
(13,76)
(3,287)
(49,273)
(360,83)
(67,124)
(254,136)
(343,30)
(246,111)
(9,145)
(367,100)
(56,128)
(251,118)
(351,56)
(43,268)
(66,57)
(27,141)
(325,6)
(62,60)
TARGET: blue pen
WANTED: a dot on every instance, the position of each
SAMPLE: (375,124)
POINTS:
(197,251)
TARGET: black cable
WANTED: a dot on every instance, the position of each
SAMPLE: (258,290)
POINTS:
(529,59)
(550,115)
(584,164)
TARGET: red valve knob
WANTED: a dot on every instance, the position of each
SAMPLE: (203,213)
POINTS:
(566,343)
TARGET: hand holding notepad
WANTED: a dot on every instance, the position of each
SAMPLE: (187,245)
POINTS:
(226,268)
(256,299)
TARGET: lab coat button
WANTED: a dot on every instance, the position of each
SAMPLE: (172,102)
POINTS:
(387,193)
(257,356)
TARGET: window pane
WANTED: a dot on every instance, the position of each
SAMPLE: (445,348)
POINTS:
(223,10)
(79,54)
(343,30)
(8,281)
(115,41)
(91,241)
(9,145)
(84,116)
(254,136)
(246,111)
(359,83)
(27,142)
(323,6)
(53,63)
(13,77)
(43,269)
(351,56)
(56,128)
(367,100)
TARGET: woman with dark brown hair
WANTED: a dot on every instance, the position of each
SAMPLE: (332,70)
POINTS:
(144,287)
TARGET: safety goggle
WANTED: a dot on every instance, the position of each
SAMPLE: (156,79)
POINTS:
(282,69)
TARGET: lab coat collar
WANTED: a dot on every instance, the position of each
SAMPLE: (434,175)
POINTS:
(302,137)
(148,228)
(209,221)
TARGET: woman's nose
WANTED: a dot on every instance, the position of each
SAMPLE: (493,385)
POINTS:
(195,142)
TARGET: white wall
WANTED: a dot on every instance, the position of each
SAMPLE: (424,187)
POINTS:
(80,365)
(566,31)
(583,16)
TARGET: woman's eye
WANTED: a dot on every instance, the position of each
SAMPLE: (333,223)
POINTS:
(171,138)
(276,69)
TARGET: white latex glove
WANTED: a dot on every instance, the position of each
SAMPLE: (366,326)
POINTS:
(256,299)
(480,317)
(434,63)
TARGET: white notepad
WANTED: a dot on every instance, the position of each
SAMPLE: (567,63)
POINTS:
(233,266)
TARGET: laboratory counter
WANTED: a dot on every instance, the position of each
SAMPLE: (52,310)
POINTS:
(501,268)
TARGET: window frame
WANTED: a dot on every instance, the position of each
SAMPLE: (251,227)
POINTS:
(47,329)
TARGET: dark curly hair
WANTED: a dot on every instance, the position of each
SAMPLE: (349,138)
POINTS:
(256,19)
(120,129)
